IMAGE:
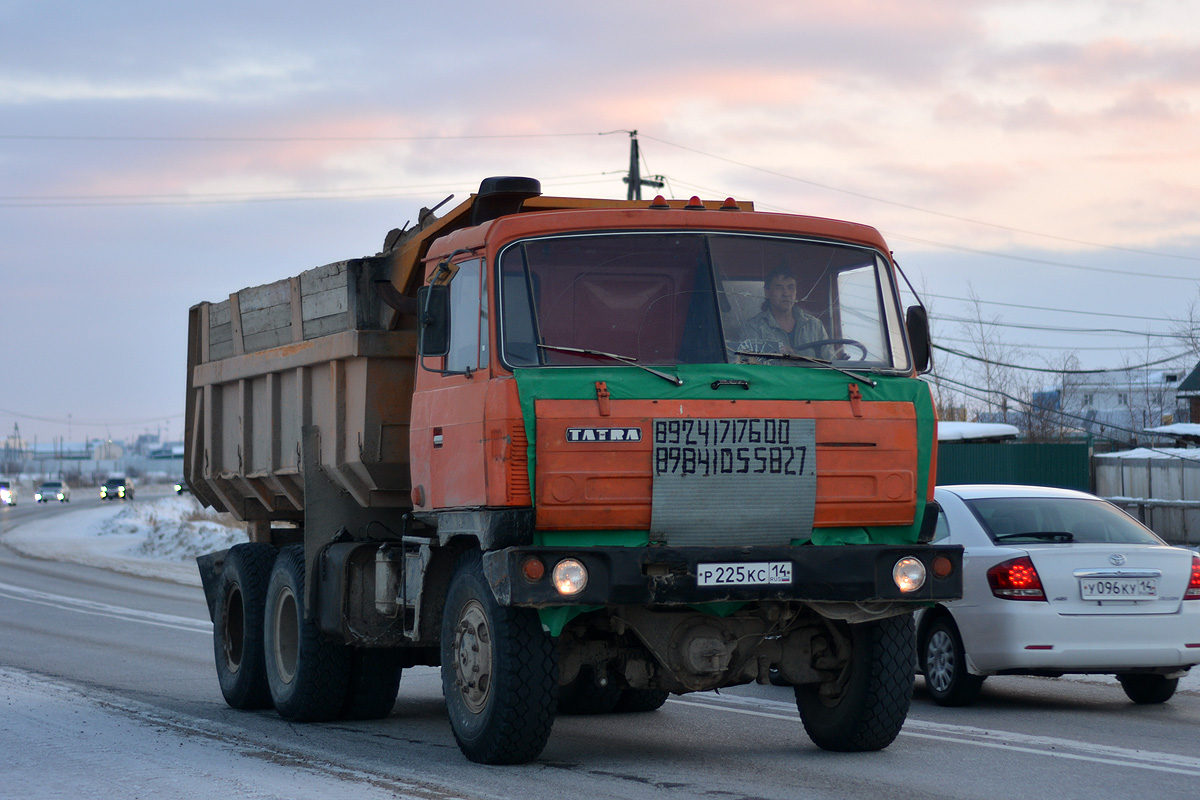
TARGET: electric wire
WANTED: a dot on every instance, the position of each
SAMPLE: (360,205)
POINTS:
(960,386)
(973,357)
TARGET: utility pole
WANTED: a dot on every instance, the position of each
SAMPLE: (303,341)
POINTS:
(634,178)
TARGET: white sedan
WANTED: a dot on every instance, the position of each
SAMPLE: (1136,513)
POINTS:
(1058,582)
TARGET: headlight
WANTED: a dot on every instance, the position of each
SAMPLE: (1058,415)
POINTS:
(570,577)
(909,574)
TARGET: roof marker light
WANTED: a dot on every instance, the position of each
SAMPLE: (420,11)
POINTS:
(694,204)
(730,205)
(659,202)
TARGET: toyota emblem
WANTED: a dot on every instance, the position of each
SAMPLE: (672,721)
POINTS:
(1116,559)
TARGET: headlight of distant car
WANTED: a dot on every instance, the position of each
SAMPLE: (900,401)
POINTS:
(37,496)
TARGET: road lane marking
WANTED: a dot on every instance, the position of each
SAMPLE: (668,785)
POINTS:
(1051,746)
(63,602)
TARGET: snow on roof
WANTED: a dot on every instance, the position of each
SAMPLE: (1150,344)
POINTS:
(1190,453)
(968,431)
(1177,429)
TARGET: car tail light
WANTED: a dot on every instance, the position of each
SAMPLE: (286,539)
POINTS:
(1016,579)
(1193,589)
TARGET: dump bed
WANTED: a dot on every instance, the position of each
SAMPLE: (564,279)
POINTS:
(319,351)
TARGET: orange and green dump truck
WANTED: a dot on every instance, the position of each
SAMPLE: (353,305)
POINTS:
(572,452)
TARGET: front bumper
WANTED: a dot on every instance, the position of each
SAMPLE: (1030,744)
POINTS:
(668,576)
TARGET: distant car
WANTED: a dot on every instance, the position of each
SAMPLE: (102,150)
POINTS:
(8,493)
(50,491)
(1058,582)
(117,489)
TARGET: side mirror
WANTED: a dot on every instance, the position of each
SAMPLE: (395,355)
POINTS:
(433,303)
(917,322)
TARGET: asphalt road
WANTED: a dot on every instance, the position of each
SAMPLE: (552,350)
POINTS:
(142,649)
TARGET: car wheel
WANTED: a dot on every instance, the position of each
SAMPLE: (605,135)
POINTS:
(945,666)
(1148,689)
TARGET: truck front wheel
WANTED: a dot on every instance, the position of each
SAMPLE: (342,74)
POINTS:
(875,690)
(499,672)
(238,625)
(307,673)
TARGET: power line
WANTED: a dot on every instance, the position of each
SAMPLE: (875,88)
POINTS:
(73,420)
(910,207)
(943,338)
(1055,328)
(1041,308)
(973,357)
(281,139)
(1040,408)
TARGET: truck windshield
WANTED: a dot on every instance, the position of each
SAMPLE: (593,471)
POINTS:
(667,298)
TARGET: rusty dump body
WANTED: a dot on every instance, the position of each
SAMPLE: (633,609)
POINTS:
(598,414)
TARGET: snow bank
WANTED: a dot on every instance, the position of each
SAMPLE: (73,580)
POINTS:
(154,538)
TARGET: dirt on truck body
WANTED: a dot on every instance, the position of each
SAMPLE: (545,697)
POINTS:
(581,454)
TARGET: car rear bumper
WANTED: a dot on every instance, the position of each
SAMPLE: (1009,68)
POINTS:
(1042,639)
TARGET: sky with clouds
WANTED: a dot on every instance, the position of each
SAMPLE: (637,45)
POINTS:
(153,155)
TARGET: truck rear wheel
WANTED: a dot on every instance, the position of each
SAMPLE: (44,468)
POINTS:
(307,673)
(876,690)
(499,672)
(238,625)
(585,696)
(641,700)
(374,681)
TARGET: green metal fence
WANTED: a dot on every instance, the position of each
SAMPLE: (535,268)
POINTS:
(1065,465)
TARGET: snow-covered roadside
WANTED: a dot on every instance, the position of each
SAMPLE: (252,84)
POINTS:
(152,538)
(60,741)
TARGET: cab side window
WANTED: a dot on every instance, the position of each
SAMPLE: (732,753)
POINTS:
(467,351)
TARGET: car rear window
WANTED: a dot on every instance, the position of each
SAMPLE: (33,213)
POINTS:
(1058,520)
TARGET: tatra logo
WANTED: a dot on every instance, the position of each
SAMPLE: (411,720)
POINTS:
(604,434)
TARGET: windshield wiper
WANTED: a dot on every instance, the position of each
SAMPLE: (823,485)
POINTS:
(630,360)
(1057,536)
(820,362)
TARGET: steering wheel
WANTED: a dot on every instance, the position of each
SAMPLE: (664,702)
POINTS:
(766,346)
(819,343)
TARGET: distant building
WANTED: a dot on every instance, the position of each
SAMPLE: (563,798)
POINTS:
(1189,395)
(1122,405)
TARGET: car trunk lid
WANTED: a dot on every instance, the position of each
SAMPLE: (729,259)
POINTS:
(1091,579)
